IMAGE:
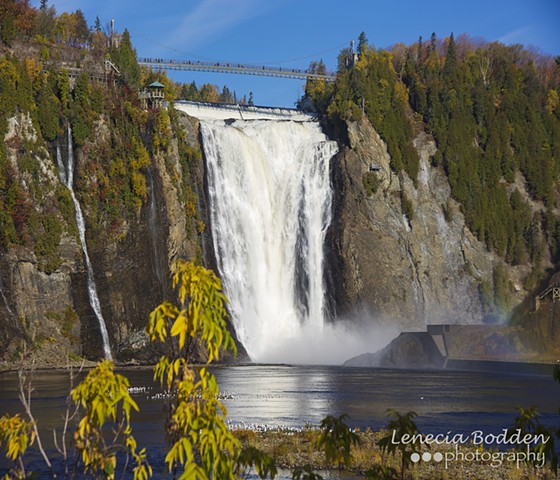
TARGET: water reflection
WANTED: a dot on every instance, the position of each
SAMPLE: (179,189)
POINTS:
(293,396)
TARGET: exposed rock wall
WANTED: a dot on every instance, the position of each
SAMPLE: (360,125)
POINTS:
(51,310)
(422,268)
(36,304)
(133,273)
(404,269)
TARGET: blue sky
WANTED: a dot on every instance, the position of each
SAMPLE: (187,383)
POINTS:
(294,32)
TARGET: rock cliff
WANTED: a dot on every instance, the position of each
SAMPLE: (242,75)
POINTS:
(400,250)
(49,308)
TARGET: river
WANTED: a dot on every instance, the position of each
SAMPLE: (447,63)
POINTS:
(293,396)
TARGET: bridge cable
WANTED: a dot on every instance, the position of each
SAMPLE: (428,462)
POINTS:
(278,62)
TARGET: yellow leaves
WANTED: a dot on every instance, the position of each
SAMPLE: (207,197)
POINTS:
(202,313)
(197,425)
(103,394)
(17,434)
(401,92)
(8,73)
(553,101)
(162,130)
(143,470)
(182,326)
(158,323)
(194,472)
(139,185)
(197,422)
(34,70)
(140,157)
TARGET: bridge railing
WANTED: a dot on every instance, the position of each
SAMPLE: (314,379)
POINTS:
(236,68)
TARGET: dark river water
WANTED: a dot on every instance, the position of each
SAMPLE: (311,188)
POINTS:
(293,396)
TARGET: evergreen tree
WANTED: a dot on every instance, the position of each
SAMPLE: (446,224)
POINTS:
(451,59)
(419,52)
(81,29)
(125,58)
(362,44)
(7,26)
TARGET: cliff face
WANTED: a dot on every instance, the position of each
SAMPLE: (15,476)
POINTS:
(49,308)
(401,251)
(36,303)
(133,271)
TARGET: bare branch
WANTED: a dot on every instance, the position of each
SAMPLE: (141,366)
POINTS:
(25,390)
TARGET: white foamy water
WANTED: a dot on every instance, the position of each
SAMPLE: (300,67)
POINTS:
(66,173)
(222,111)
(270,200)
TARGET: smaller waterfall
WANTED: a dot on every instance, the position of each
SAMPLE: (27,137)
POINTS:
(67,177)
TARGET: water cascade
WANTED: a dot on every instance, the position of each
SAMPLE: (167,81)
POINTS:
(66,174)
(270,202)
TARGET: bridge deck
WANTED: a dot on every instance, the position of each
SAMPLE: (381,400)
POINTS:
(235,68)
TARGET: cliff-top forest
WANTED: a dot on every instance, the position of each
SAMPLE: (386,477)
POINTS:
(494,112)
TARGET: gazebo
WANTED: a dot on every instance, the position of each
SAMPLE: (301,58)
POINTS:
(152,96)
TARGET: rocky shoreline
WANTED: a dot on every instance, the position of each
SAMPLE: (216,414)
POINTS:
(296,448)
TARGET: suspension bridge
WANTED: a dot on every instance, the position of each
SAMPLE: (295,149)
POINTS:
(235,68)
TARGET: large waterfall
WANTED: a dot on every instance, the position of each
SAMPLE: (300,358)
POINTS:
(66,173)
(270,201)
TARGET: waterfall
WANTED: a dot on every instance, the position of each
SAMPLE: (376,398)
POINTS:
(270,207)
(67,178)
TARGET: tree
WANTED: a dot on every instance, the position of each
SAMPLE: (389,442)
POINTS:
(336,440)
(17,434)
(398,427)
(451,59)
(201,443)
(80,28)
(527,423)
(209,93)
(48,108)
(189,91)
(97,25)
(362,44)
(125,58)
(202,446)
(104,396)
(7,29)
(419,52)
(46,22)
(345,59)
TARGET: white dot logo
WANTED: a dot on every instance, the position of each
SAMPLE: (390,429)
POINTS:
(426,456)
(438,457)
(415,458)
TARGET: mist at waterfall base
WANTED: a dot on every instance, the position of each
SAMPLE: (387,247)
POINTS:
(270,207)
(332,344)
